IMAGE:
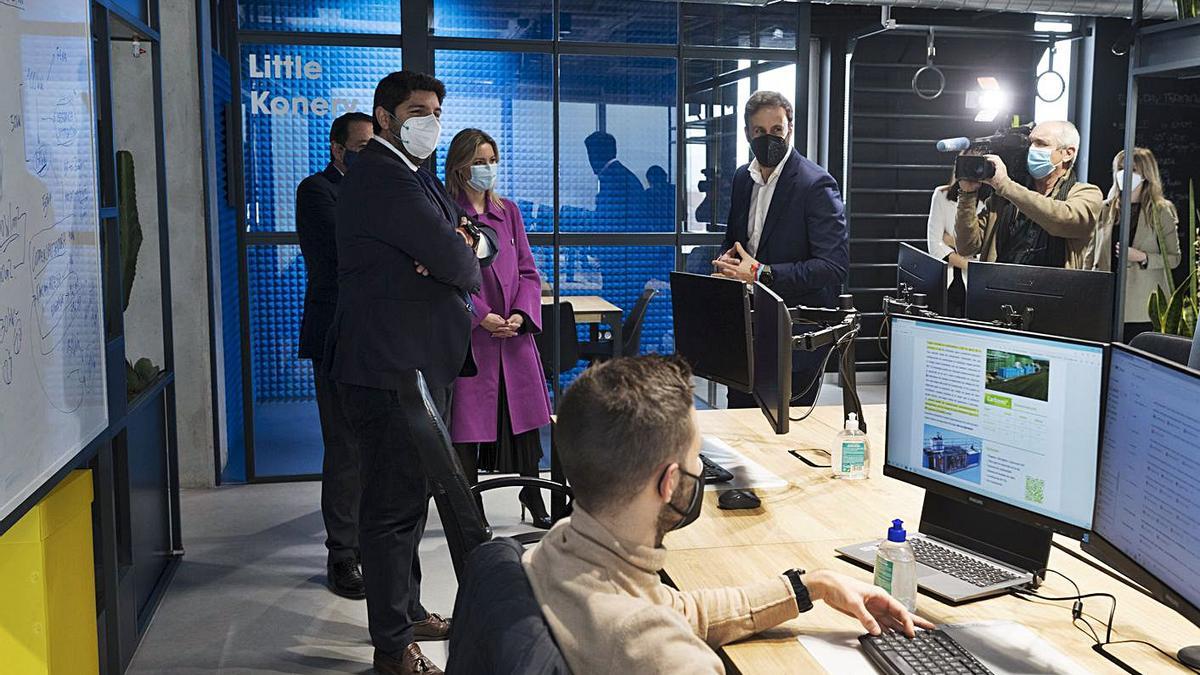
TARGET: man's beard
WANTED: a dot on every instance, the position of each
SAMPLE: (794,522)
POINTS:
(668,517)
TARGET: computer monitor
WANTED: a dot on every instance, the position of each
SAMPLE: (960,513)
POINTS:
(924,274)
(772,357)
(1070,303)
(713,329)
(1147,517)
(999,419)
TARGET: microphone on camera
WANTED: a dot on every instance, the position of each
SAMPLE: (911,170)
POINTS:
(954,144)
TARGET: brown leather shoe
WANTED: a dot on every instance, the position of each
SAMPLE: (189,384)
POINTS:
(432,629)
(410,661)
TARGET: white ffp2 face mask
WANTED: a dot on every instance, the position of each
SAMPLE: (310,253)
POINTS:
(1135,180)
(419,135)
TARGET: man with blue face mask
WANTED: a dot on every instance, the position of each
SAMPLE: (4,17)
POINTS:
(408,260)
(1051,223)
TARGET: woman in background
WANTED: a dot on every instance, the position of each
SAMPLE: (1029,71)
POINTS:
(498,413)
(939,237)
(1154,234)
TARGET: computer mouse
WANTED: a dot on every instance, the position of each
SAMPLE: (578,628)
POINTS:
(738,499)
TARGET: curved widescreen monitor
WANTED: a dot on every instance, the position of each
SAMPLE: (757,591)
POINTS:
(1147,520)
(1004,420)
(712,328)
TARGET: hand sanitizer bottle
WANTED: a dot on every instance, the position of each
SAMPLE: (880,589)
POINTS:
(896,567)
(850,456)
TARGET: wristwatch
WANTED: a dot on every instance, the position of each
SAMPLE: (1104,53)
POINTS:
(803,599)
(766,275)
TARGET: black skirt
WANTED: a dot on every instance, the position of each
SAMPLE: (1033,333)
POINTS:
(510,453)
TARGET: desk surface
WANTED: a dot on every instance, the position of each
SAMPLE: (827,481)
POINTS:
(801,525)
(588,308)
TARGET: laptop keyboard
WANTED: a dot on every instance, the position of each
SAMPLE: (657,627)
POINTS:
(931,652)
(947,560)
(713,472)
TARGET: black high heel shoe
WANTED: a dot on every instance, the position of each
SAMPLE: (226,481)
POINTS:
(531,499)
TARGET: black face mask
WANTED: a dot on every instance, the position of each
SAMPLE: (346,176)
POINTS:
(693,502)
(769,150)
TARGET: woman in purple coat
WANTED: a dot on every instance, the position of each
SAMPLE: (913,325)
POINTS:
(498,413)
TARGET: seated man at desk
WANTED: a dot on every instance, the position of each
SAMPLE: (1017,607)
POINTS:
(631,450)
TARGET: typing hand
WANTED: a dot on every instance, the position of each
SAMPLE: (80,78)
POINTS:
(871,605)
(493,322)
(736,264)
(421,269)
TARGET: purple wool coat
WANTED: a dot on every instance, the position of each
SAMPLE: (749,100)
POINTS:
(510,285)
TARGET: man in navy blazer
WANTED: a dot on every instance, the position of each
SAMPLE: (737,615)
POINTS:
(408,260)
(316,203)
(787,228)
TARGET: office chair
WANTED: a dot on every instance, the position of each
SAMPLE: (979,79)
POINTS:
(498,625)
(631,333)
(1171,347)
(568,338)
(458,509)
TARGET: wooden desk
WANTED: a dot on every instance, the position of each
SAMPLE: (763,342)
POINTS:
(594,310)
(801,525)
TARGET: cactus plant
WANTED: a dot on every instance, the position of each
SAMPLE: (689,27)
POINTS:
(128,224)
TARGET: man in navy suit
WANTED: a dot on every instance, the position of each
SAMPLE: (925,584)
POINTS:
(408,260)
(787,229)
(316,199)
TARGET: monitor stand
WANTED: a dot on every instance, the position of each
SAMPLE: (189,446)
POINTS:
(977,529)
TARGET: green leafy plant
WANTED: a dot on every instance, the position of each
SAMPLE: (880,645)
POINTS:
(1175,308)
(138,376)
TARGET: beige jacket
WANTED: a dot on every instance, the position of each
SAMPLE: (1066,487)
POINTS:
(1140,283)
(610,612)
(1074,219)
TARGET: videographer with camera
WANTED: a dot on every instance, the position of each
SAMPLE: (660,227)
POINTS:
(1040,214)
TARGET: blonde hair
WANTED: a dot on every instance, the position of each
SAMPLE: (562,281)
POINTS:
(461,155)
(1145,165)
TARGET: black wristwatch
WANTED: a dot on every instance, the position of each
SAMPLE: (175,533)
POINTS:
(766,276)
(803,599)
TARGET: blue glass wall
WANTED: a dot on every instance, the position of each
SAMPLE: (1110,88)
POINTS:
(328,16)
(286,118)
(508,95)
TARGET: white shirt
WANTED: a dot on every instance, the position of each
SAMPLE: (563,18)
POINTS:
(483,247)
(760,200)
(942,213)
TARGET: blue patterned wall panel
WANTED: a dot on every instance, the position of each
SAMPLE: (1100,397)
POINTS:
(508,95)
(633,101)
(276,276)
(334,16)
(494,19)
(286,120)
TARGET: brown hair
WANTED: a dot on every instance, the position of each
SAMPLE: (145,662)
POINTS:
(1145,165)
(766,99)
(620,422)
(460,156)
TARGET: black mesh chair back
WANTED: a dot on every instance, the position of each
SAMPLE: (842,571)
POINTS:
(568,338)
(464,524)
(631,330)
(1170,347)
(498,625)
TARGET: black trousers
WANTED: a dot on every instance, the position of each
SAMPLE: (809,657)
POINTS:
(395,504)
(340,485)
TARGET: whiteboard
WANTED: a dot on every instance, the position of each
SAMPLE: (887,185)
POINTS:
(52,386)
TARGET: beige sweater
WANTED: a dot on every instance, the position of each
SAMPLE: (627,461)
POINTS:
(1074,219)
(610,612)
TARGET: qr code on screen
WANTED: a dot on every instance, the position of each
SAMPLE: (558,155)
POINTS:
(1035,490)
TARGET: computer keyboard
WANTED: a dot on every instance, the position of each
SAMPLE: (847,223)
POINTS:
(947,560)
(715,473)
(931,652)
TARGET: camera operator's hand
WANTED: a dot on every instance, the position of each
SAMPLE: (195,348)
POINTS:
(1001,176)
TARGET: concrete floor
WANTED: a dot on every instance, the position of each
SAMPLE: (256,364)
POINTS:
(249,595)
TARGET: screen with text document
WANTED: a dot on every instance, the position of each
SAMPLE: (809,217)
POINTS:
(1148,494)
(1010,417)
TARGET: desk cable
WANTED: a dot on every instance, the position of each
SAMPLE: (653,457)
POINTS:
(819,378)
(1077,616)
